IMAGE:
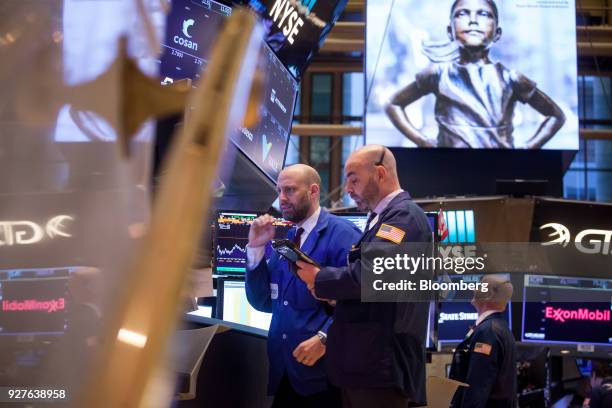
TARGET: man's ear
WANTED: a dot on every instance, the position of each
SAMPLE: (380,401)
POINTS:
(449,32)
(381,172)
(498,34)
(315,189)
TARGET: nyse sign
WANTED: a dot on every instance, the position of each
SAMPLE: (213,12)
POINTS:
(287,14)
(24,232)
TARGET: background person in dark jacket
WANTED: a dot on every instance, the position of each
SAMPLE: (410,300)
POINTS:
(376,351)
(486,358)
(601,381)
(298,332)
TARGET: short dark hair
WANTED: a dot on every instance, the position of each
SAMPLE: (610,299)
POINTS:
(489,2)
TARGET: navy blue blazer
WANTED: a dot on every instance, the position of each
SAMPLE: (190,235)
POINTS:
(378,345)
(486,361)
(296,314)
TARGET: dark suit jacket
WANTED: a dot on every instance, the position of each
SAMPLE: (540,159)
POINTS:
(378,345)
(486,361)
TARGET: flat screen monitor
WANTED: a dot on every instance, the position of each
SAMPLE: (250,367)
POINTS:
(568,310)
(232,237)
(266,143)
(456,315)
(234,306)
(359,219)
(296,29)
(421,92)
(34,302)
(585,366)
(191,28)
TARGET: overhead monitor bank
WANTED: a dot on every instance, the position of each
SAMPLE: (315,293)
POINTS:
(296,28)
(190,30)
(421,90)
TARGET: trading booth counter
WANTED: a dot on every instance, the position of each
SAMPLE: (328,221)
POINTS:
(234,371)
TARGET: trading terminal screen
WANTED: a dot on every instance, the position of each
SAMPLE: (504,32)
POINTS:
(567,310)
(33,302)
(457,315)
(266,143)
(236,307)
(359,219)
(191,27)
(232,237)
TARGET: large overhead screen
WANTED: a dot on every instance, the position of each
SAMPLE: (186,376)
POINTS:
(296,29)
(191,29)
(471,74)
(266,143)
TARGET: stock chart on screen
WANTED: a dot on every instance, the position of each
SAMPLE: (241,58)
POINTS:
(232,237)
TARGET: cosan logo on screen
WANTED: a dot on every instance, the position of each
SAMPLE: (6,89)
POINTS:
(185,40)
(588,241)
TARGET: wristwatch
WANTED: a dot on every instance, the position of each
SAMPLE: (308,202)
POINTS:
(322,337)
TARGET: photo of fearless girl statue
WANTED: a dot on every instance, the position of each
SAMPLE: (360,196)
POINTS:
(475,99)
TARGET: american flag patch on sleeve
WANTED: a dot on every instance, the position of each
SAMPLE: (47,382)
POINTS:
(390,233)
(482,348)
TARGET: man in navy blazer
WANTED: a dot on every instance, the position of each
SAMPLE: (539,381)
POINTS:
(298,332)
(486,358)
(375,351)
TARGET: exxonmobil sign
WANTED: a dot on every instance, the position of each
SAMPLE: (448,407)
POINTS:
(562,315)
(34,305)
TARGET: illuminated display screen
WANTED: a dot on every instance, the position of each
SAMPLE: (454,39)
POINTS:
(456,317)
(429,83)
(359,219)
(236,307)
(296,29)
(266,143)
(232,237)
(191,27)
(567,310)
(33,302)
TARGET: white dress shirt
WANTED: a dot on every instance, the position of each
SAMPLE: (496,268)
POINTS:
(256,254)
(380,207)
